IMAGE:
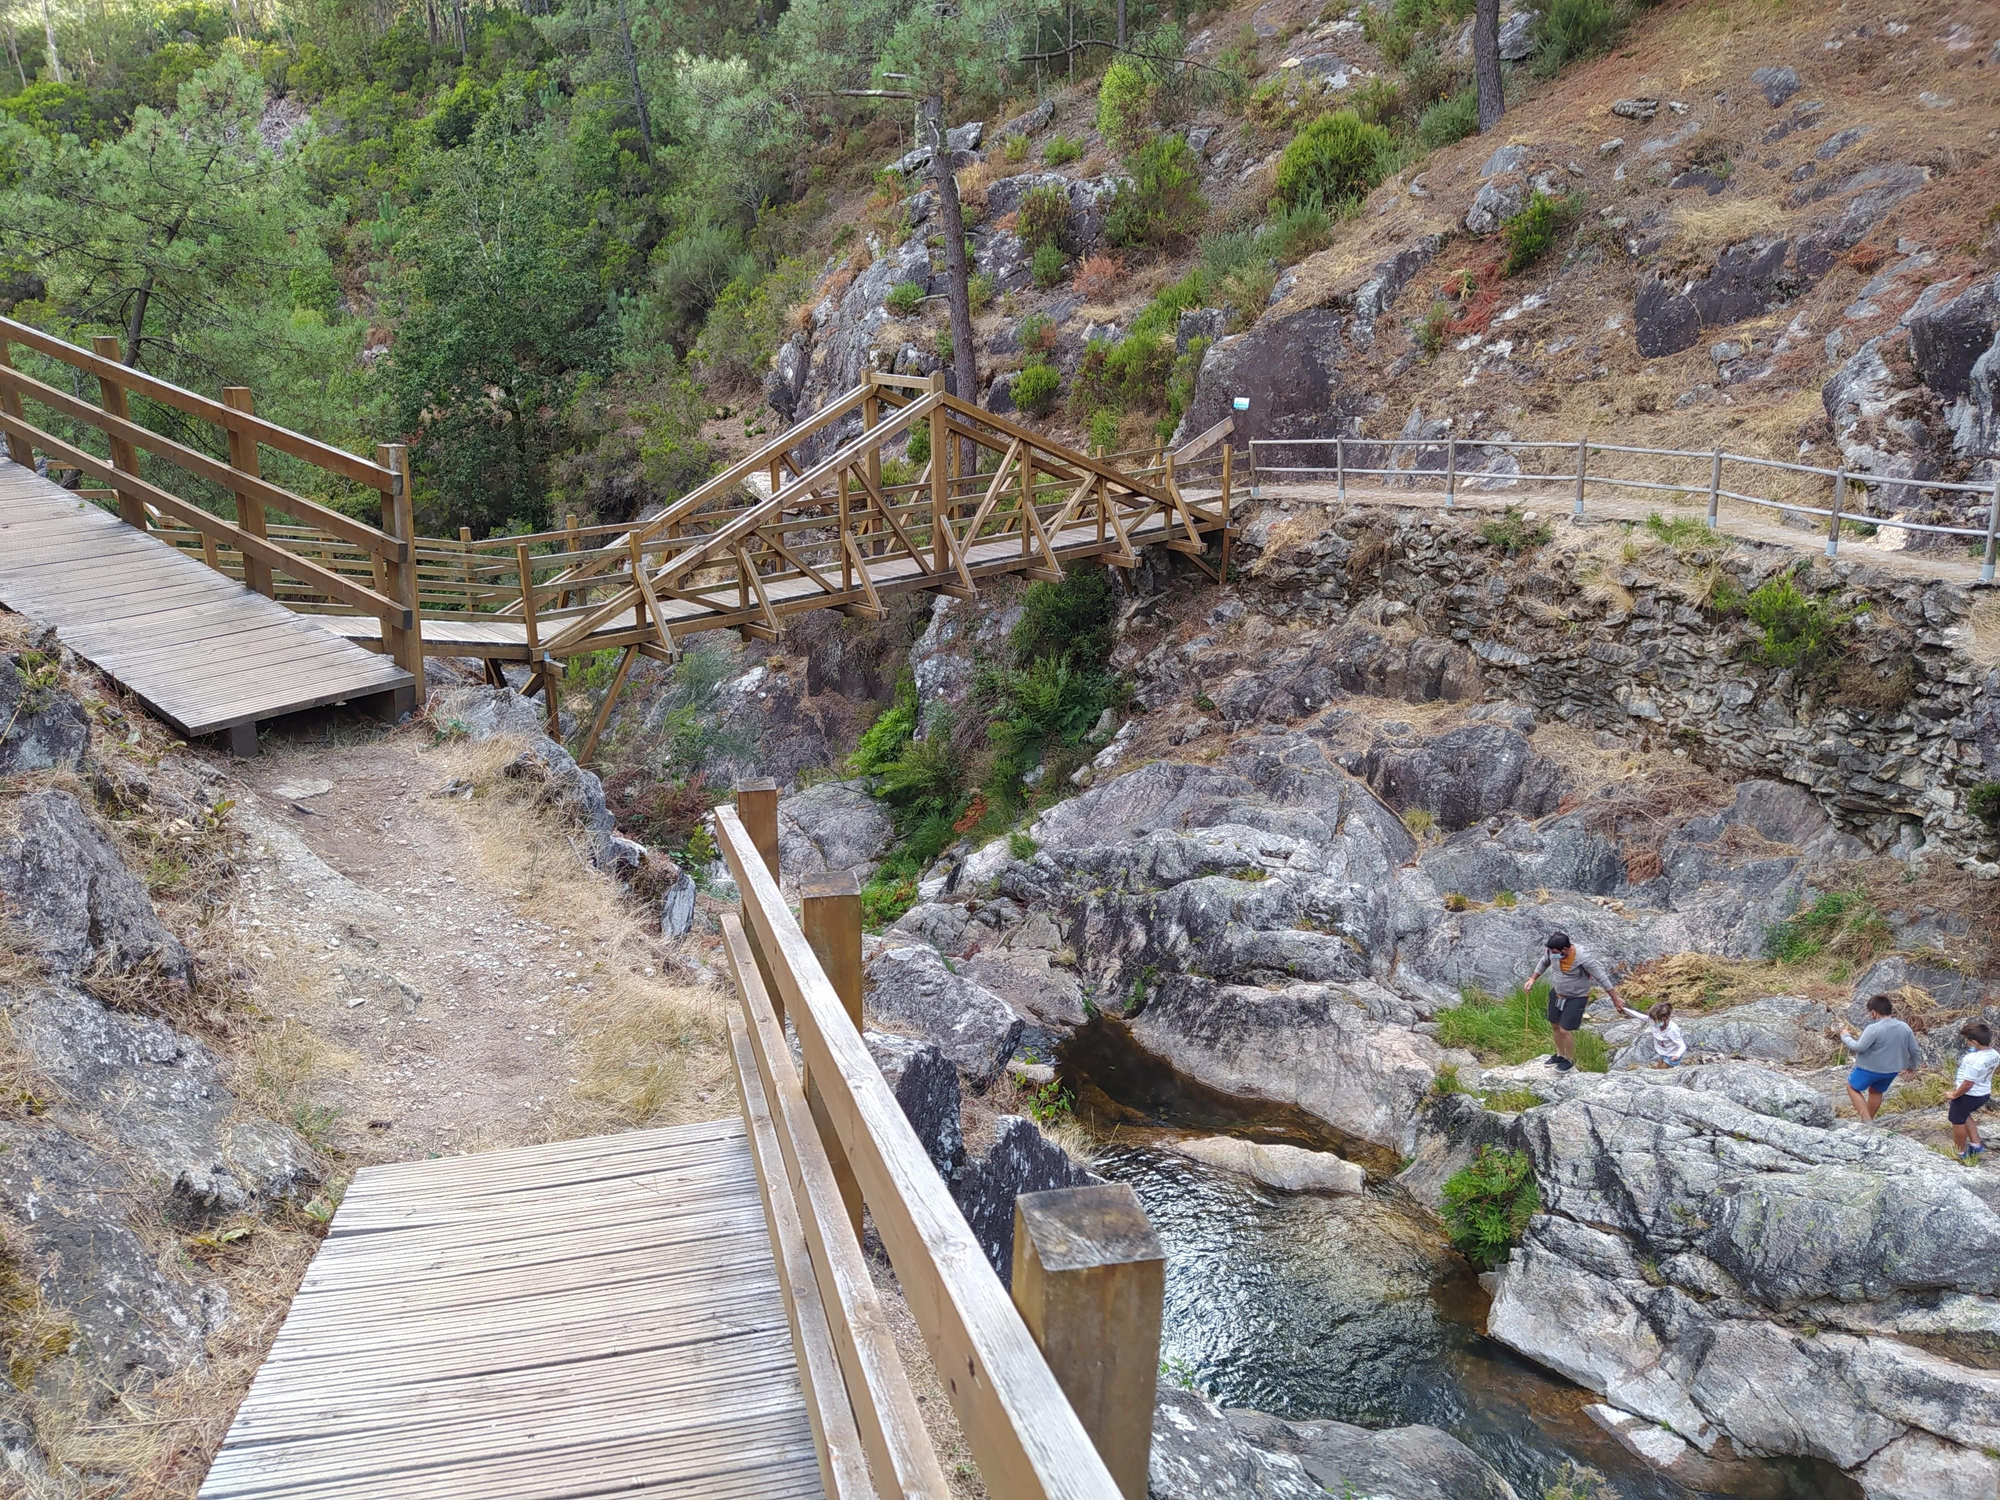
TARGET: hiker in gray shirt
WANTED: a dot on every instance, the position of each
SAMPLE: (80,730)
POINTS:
(1885,1048)
(1572,972)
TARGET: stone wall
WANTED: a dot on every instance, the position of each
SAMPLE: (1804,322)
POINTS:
(1620,633)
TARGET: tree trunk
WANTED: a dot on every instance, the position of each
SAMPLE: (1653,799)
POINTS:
(1486,63)
(137,323)
(236,15)
(431,21)
(965,368)
(632,72)
(14,51)
(49,31)
(1121,25)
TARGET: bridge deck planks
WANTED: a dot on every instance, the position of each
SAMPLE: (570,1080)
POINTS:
(570,1319)
(201,651)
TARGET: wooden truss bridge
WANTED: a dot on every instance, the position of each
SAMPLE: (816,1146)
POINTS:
(690,1313)
(775,534)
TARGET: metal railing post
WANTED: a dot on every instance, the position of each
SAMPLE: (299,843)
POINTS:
(1450,473)
(1833,521)
(1340,466)
(1227,451)
(830,917)
(1992,528)
(1582,469)
(1714,488)
(1256,485)
(1090,1282)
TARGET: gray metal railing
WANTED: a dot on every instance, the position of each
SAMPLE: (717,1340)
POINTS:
(1277,461)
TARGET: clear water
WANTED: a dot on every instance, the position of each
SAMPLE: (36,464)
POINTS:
(1349,1308)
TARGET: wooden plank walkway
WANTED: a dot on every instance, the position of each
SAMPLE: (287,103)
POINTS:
(201,651)
(584,1318)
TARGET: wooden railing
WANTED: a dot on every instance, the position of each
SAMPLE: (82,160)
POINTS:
(1054,1390)
(1277,463)
(328,557)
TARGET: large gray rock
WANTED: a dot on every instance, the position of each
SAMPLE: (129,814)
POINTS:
(81,910)
(1203,1452)
(1777,1028)
(1308,1048)
(1289,367)
(833,826)
(926,1085)
(1020,1160)
(42,726)
(1466,774)
(912,987)
(483,713)
(1747,279)
(1776,84)
(1499,198)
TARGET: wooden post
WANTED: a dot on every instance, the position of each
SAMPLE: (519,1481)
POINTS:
(1090,1279)
(10,402)
(124,458)
(846,557)
(1227,457)
(465,572)
(250,509)
(1833,520)
(939,495)
(1027,497)
(575,542)
(757,806)
(871,414)
(1714,488)
(399,521)
(830,916)
(1582,469)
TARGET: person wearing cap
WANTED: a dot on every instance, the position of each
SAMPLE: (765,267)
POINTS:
(1572,972)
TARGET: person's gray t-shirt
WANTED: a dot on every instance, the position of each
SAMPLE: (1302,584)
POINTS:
(1588,970)
(1887,1046)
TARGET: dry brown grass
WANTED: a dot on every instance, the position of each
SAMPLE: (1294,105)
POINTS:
(1984,628)
(649,1050)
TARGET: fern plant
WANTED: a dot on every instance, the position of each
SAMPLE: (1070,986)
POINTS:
(1488,1204)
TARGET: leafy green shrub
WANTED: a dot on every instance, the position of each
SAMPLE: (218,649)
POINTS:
(904,298)
(1488,1204)
(1531,232)
(1161,205)
(942,344)
(1124,100)
(1131,375)
(1036,389)
(1015,148)
(979,291)
(1427,76)
(1037,333)
(1570,29)
(1393,38)
(1452,118)
(1048,266)
(1020,846)
(918,450)
(1335,157)
(747,323)
(1801,634)
(1678,531)
(1104,437)
(1061,151)
(1377,102)
(1842,924)
(1043,218)
(1512,1029)
(1983,802)
(1431,327)
(1073,620)
(1513,534)
(1297,230)
(883,741)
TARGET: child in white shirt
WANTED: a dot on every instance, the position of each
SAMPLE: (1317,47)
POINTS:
(1973,1090)
(1669,1046)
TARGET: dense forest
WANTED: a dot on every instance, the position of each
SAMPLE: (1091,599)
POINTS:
(548,247)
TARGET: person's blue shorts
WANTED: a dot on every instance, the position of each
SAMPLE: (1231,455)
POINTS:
(1864,1082)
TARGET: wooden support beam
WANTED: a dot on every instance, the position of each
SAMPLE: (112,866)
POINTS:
(1090,1281)
(111,391)
(249,505)
(830,916)
(610,699)
(405,642)
(18,447)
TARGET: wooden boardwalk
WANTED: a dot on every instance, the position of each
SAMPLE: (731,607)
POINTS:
(201,651)
(584,1318)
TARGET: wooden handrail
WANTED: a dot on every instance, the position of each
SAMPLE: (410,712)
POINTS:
(334,585)
(1026,1437)
(321,455)
(1200,444)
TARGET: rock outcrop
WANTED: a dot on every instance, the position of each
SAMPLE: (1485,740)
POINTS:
(42,726)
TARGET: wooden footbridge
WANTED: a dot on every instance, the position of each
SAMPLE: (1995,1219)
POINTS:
(827,532)
(690,1312)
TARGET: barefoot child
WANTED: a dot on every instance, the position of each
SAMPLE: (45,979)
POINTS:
(1973,1089)
(1669,1046)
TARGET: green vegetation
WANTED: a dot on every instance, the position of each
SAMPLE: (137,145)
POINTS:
(1799,633)
(1835,924)
(979,289)
(1021,847)
(1160,205)
(1104,429)
(1334,157)
(1983,802)
(904,298)
(1573,29)
(1510,1101)
(1514,534)
(1513,1029)
(1487,1205)
(1532,231)
(1043,217)
(1061,151)
(1450,119)
(1036,388)
(1048,264)
(1679,532)
(1123,99)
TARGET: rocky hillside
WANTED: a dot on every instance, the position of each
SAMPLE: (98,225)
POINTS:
(1768,230)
